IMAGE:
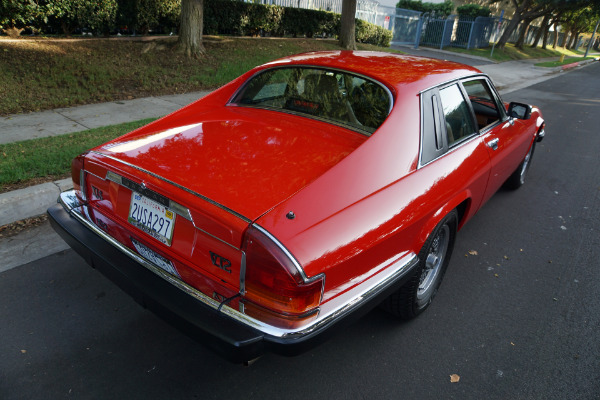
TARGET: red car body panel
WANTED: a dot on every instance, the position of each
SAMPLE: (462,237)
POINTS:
(361,205)
(245,159)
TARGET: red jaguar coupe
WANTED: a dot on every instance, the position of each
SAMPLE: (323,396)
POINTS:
(299,196)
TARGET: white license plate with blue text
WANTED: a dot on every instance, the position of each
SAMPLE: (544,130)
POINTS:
(151,217)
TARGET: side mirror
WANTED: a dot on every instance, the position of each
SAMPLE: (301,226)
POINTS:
(519,110)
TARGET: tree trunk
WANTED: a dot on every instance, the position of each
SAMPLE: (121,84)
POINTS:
(571,40)
(512,25)
(66,28)
(523,34)
(545,37)
(190,32)
(347,30)
(555,35)
(542,31)
(13,31)
(575,40)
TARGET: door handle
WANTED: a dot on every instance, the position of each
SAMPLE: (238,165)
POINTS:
(493,144)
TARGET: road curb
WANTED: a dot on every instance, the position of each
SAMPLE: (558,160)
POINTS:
(574,65)
(31,201)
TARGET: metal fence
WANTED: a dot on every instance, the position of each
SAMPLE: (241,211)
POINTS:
(454,31)
(406,26)
(367,10)
(415,28)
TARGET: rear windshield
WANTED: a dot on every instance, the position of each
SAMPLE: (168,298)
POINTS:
(334,96)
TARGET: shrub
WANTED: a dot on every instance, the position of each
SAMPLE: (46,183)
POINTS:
(238,18)
(439,10)
(99,15)
(15,15)
(473,11)
(372,34)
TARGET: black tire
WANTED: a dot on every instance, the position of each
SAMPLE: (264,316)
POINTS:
(416,295)
(517,179)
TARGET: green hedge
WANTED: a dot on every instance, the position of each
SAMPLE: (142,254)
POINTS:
(248,19)
(220,17)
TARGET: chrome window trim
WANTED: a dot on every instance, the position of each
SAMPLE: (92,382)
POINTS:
(443,84)
(458,145)
(329,312)
(466,139)
(495,94)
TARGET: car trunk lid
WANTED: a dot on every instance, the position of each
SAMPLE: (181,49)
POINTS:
(247,160)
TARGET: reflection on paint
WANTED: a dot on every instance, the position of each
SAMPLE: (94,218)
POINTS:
(138,143)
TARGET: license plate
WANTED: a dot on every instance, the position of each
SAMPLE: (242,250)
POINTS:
(155,258)
(151,217)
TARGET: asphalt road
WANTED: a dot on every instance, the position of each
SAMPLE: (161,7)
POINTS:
(519,319)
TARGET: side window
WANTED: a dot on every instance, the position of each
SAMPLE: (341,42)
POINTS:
(458,117)
(484,103)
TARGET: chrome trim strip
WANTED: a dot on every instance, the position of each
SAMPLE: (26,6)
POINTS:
(341,305)
(541,134)
(176,207)
(329,312)
(288,254)
(82,184)
(243,274)
(221,206)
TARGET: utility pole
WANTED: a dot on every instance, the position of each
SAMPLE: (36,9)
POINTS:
(592,39)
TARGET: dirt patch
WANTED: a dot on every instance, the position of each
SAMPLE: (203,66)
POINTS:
(31,182)
(15,228)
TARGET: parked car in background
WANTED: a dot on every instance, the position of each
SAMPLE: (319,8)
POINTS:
(299,196)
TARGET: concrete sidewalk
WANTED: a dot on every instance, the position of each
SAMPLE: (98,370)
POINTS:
(75,119)
(32,201)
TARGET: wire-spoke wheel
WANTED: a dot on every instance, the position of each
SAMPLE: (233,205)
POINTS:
(517,179)
(434,261)
(416,294)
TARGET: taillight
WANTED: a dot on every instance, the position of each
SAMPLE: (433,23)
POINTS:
(274,281)
(77,176)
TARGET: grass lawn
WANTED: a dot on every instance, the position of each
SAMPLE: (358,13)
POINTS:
(566,61)
(46,73)
(45,159)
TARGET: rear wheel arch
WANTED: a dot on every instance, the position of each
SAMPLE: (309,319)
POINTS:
(417,293)
(461,203)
